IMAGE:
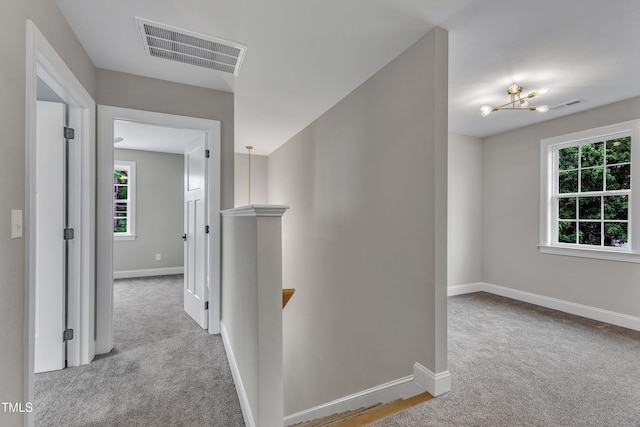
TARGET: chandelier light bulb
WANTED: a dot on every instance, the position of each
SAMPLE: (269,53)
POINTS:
(524,103)
(542,91)
(485,110)
(542,108)
(513,89)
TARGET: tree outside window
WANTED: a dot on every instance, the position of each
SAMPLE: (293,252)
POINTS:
(123,199)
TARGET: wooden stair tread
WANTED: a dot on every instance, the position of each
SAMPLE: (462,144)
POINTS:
(286,296)
(334,418)
(366,415)
(385,411)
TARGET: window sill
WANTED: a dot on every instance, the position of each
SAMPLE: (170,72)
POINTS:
(124,237)
(590,253)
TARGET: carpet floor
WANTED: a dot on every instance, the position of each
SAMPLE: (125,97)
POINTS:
(164,370)
(517,364)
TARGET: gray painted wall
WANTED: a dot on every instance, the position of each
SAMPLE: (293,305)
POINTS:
(364,242)
(52,24)
(159,212)
(143,93)
(511,220)
(465,234)
(258,179)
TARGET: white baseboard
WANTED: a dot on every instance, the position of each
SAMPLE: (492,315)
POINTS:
(467,288)
(127,274)
(401,388)
(594,313)
(242,393)
(435,384)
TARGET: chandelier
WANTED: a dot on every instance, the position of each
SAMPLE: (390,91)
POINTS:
(519,102)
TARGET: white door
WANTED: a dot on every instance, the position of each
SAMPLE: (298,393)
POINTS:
(50,247)
(195,248)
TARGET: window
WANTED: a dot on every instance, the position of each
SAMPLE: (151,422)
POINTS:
(587,203)
(124,174)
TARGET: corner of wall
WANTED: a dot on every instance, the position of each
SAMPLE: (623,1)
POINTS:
(434,383)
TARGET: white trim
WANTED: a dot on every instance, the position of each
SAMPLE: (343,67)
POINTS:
(43,61)
(214,240)
(398,389)
(130,167)
(237,379)
(466,288)
(211,128)
(104,235)
(594,313)
(166,271)
(124,237)
(548,233)
(435,384)
(582,252)
(256,210)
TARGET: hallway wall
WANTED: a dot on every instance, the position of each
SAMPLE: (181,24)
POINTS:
(364,242)
(465,233)
(143,93)
(52,24)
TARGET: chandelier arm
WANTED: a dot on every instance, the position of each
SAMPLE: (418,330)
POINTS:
(503,106)
(530,108)
(521,100)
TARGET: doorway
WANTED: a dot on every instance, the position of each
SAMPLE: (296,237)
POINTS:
(113,120)
(57,82)
(160,208)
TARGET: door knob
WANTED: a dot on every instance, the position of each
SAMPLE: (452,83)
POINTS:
(184,237)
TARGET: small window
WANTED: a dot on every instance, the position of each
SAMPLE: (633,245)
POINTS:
(587,193)
(124,200)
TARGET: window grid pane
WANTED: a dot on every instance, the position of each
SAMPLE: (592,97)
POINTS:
(121,201)
(593,182)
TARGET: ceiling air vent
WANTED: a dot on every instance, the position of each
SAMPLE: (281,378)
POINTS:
(164,41)
(567,104)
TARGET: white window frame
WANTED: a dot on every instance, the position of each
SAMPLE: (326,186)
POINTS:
(130,167)
(548,210)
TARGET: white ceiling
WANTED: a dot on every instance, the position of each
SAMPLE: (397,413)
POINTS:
(304,56)
(146,137)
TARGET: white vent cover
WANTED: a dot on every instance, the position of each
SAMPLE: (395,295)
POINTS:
(567,104)
(164,41)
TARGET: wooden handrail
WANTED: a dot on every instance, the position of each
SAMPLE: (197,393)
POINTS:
(286,296)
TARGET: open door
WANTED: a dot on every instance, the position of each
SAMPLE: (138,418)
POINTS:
(50,271)
(196,289)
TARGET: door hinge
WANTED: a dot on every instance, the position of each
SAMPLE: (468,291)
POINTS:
(67,335)
(69,234)
(206,153)
(69,133)
(206,229)
(206,305)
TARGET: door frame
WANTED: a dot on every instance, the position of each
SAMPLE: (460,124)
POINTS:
(43,62)
(104,270)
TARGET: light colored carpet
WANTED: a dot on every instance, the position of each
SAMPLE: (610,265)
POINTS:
(516,364)
(164,371)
